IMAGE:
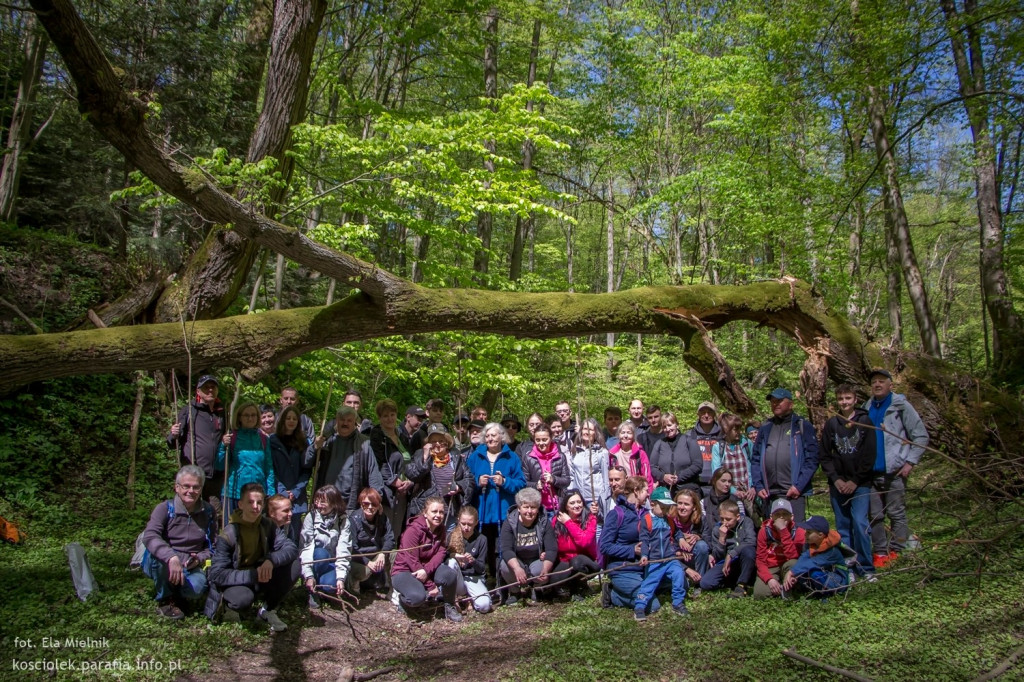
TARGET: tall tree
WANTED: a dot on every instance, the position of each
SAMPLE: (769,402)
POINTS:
(965,35)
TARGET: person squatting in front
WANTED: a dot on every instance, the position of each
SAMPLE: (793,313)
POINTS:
(252,559)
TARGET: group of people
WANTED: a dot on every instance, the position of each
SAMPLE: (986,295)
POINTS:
(479,512)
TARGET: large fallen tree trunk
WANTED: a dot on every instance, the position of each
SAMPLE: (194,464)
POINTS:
(962,414)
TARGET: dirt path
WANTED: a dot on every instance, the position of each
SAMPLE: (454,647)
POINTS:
(320,645)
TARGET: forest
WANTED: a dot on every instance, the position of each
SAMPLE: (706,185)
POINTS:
(511,205)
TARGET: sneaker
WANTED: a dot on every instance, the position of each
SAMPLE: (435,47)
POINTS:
(276,624)
(315,602)
(231,616)
(452,613)
(170,611)
(639,614)
(578,596)
(693,592)
(606,595)
(512,600)
(880,561)
(738,592)
(893,556)
(681,611)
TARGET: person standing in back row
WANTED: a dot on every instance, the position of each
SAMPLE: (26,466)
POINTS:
(197,434)
(706,432)
(898,450)
(785,455)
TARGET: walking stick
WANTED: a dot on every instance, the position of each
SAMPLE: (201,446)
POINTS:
(593,497)
(323,430)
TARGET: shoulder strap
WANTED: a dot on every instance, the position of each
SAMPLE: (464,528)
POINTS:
(170,509)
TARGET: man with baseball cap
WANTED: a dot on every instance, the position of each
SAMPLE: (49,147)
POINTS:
(898,448)
(785,455)
(197,433)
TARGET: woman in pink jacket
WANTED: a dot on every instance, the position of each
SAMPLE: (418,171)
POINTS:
(576,532)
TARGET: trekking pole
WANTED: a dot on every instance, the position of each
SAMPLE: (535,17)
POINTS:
(323,431)
(593,495)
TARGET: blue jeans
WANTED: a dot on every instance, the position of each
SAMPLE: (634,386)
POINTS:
(654,575)
(324,572)
(193,587)
(699,562)
(741,571)
(853,523)
(625,585)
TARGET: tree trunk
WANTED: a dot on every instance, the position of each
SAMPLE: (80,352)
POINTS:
(19,132)
(221,266)
(1007,326)
(485,221)
(525,226)
(893,201)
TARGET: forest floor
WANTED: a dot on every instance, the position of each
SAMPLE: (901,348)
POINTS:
(325,644)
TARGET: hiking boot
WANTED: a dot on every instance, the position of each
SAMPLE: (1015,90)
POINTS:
(231,616)
(512,600)
(681,611)
(170,611)
(738,592)
(276,624)
(606,595)
(452,613)
(639,614)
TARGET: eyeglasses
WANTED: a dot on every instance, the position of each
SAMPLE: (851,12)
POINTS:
(194,488)
(366,504)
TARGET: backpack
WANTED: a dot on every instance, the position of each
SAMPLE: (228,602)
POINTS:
(9,532)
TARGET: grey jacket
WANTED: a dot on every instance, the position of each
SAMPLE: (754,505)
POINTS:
(901,421)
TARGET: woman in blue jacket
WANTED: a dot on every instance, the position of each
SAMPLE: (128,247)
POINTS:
(620,544)
(244,456)
(498,476)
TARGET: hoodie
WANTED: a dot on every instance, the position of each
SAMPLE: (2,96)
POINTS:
(706,441)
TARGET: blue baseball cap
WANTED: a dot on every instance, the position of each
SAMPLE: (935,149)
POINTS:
(818,524)
(780,394)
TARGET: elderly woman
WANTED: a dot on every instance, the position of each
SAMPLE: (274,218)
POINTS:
(498,475)
(628,454)
(420,573)
(390,448)
(439,472)
(529,549)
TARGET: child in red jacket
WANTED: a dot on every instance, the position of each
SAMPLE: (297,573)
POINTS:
(779,544)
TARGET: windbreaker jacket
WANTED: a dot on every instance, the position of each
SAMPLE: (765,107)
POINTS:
(903,420)
(332,533)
